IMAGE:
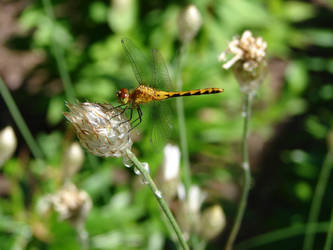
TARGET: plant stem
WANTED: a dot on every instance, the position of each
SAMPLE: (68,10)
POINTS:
(329,237)
(159,198)
(82,235)
(317,200)
(20,123)
(58,54)
(247,174)
(181,123)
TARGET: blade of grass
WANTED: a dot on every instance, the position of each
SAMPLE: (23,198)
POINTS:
(278,235)
(329,237)
(323,178)
(20,123)
(58,54)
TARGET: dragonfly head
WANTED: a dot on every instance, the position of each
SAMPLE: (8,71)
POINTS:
(123,96)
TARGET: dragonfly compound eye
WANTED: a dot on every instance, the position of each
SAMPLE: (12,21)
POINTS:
(123,95)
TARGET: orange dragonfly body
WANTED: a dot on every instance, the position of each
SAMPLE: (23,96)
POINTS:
(145,94)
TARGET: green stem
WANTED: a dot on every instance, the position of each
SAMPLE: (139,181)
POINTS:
(317,201)
(329,237)
(181,123)
(83,236)
(20,123)
(279,235)
(58,54)
(246,176)
(159,198)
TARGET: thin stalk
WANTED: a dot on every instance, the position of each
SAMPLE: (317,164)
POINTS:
(279,235)
(58,54)
(317,201)
(159,198)
(246,175)
(181,123)
(20,123)
(82,235)
(329,237)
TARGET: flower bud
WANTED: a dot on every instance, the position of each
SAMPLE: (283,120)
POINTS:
(8,144)
(249,61)
(188,212)
(73,159)
(212,222)
(102,129)
(189,23)
(121,16)
(168,176)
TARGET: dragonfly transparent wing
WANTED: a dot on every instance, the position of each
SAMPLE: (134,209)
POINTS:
(162,112)
(161,77)
(141,65)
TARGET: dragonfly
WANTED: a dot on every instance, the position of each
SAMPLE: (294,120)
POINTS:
(151,75)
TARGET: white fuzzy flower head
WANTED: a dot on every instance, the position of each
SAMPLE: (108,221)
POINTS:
(102,129)
(8,144)
(189,23)
(248,61)
(71,203)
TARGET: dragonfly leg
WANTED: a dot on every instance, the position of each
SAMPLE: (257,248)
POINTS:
(139,118)
(122,112)
(131,115)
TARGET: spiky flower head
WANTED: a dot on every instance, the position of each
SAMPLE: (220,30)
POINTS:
(71,203)
(249,60)
(102,129)
(189,23)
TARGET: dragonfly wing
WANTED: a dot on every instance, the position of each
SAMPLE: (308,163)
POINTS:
(161,115)
(161,77)
(141,66)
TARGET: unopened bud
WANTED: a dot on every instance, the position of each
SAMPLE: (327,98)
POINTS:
(73,159)
(122,15)
(168,176)
(8,144)
(189,23)
(212,222)
(249,61)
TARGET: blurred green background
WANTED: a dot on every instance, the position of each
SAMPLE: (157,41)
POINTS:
(291,118)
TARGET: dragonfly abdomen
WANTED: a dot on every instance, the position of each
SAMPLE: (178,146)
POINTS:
(206,91)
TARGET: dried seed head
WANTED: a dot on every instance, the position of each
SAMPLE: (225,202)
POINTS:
(8,144)
(212,222)
(189,23)
(71,203)
(102,129)
(249,60)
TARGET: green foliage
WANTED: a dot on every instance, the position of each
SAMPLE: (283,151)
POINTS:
(297,93)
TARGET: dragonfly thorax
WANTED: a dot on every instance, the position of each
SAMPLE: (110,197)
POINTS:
(123,96)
